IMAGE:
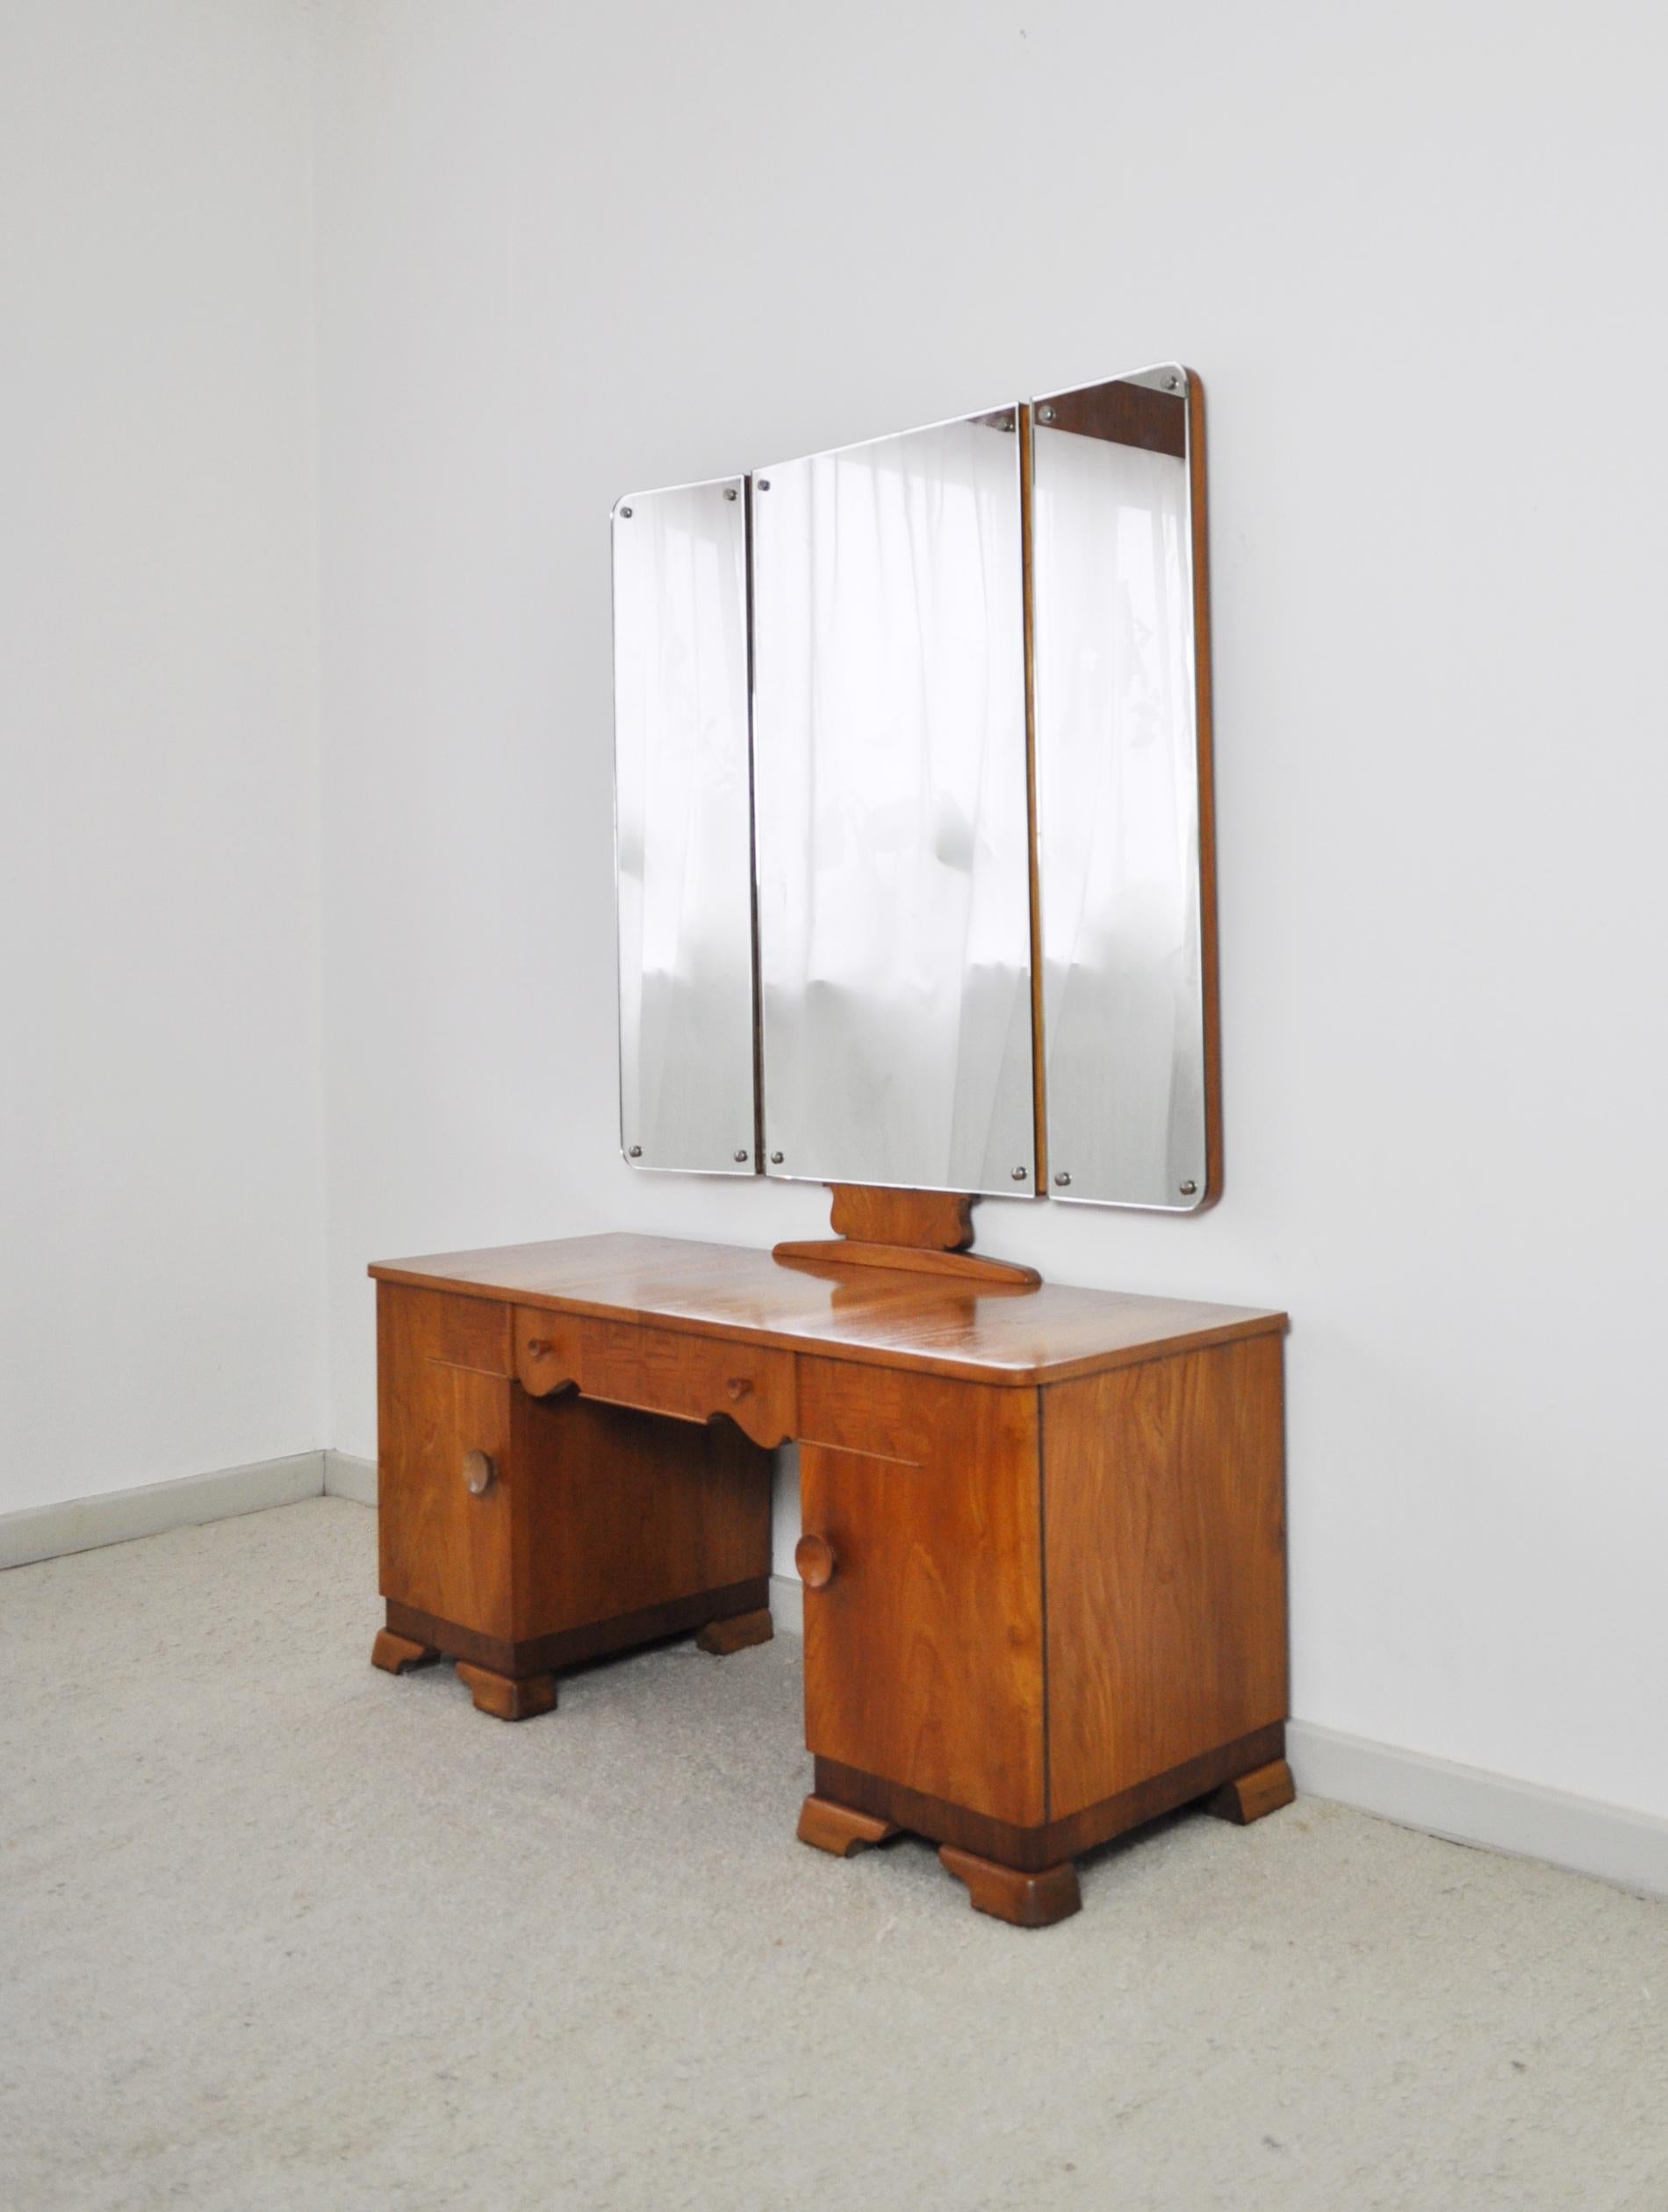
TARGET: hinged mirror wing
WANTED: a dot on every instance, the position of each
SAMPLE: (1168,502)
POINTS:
(683,829)
(1125,867)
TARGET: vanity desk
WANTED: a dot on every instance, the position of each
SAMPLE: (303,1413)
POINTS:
(1044,1551)
(915,850)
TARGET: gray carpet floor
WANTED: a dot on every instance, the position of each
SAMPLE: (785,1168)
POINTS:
(279,1930)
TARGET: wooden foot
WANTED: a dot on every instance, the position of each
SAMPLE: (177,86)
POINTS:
(1252,1795)
(504,1697)
(397,1655)
(735,1634)
(1027,1900)
(837,1829)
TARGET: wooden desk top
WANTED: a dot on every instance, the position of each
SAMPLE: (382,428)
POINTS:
(867,1314)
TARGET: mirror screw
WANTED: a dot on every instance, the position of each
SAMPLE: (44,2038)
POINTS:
(1045,414)
(625,514)
(776,1160)
(1062,1179)
(1188,1189)
(1020,1175)
(635,1153)
(729,490)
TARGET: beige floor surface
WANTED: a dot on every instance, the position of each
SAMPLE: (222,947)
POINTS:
(277,1930)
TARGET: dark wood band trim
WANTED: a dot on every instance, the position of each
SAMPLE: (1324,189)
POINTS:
(570,1646)
(1032,1849)
(1121,413)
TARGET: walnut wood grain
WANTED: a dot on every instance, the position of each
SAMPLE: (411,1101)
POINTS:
(739,1633)
(838,1828)
(1024,1900)
(442,1548)
(874,1316)
(923,1652)
(1165,1565)
(507,1697)
(931,1220)
(1252,1797)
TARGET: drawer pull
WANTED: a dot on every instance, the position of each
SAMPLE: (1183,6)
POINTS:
(479,1474)
(814,1557)
(738,1387)
(539,1347)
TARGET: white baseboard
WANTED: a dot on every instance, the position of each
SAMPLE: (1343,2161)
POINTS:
(347,1477)
(85,1524)
(787,1604)
(1467,1805)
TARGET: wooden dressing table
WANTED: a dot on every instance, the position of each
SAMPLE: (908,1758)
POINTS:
(1043,1558)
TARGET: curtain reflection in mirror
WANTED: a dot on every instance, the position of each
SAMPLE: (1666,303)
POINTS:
(894,862)
(683,823)
(1117,797)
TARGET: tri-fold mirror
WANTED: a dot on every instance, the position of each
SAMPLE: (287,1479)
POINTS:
(913,809)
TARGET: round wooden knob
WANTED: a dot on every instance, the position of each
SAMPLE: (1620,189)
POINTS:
(738,1386)
(814,1557)
(479,1474)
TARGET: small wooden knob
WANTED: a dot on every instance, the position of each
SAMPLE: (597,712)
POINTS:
(814,1557)
(539,1347)
(479,1474)
(738,1386)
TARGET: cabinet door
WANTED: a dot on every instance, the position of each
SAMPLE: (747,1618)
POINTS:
(444,1392)
(923,1649)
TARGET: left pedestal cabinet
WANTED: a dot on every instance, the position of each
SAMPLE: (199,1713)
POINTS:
(522,1534)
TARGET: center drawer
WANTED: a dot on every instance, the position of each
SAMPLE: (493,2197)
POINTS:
(689,1378)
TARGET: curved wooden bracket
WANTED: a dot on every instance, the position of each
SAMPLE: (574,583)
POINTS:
(759,1422)
(918,1231)
(544,1363)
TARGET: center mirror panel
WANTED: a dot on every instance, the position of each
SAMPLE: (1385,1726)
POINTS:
(892,819)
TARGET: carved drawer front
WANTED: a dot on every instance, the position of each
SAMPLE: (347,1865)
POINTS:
(690,1378)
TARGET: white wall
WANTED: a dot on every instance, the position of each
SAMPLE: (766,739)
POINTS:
(161,1215)
(566,252)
